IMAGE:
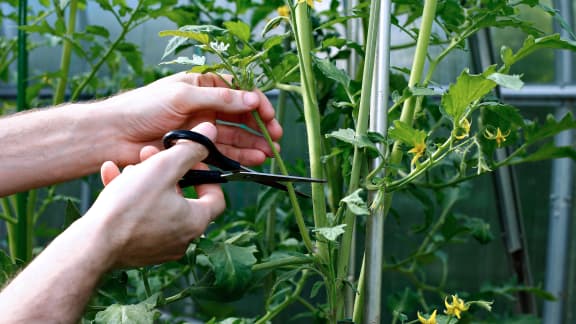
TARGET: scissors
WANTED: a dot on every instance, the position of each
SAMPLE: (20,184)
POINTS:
(230,170)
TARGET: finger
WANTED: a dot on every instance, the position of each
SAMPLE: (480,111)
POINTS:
(211,200)
(147,151)
(248,157)
(223,99)
(214,80)
(238,137)
(108,172)
(178,159)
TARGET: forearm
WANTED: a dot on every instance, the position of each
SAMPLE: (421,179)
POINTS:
(58,284)
(52,145)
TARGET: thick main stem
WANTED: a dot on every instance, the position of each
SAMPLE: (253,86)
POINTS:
(407,115)
(66,54)
(311,114)
(361,129)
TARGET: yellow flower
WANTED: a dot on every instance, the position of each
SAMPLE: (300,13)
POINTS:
(498,137)
(430,320)
(463,130)
(456,307)
(283,11)
(309,2)
(418,151)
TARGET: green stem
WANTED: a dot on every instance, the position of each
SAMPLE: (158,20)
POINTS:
(284,262)
(303,34)
(66,54)
(20,232)
(359,301)
(291,193)
(289,300)
(144,274)
(361,130)
(126,27)
(271,216)
(407,115)
(439,154)
(288,87)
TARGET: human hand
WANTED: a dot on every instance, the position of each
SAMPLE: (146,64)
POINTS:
(145,219)
(182,101)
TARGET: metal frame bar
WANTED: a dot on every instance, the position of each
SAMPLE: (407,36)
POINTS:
(561,192)
(506,191)
(378,123)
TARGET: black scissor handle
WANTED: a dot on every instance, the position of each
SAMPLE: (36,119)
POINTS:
(215,157)
(199,177)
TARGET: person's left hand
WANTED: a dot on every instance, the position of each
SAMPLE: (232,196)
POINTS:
(181,101)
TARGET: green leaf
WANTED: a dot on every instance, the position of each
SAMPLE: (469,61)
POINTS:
(550,151)
(132,55)
(273,41)
(406,134)
(7,268)
(334,41)
(558,17)
(232,265)
(195,60)
(330,233)
(72,213)
(348,135)
(507,81)
(98,30)
(535,132)
(331,71)
(199,34)
(201,38)
(479,229)
(419,91)
(467,89)
(356,204)
(143,312)
(206,68)
(506,115)
(531,45)
(273,23)
(238,29)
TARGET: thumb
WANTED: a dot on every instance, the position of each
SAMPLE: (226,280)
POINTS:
(108,172)
(186,154)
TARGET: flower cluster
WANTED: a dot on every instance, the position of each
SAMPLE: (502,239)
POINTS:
(455,308)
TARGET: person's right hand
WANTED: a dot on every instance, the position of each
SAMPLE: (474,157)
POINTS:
(142,214)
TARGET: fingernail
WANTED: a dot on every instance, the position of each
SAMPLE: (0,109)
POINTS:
(250,99)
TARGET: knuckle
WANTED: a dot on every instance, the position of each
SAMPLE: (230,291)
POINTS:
(226,95)
(179,92)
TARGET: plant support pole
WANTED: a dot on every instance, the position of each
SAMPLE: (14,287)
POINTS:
(378,123)
(561,208)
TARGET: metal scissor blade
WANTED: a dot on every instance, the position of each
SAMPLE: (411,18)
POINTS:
(265,177)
